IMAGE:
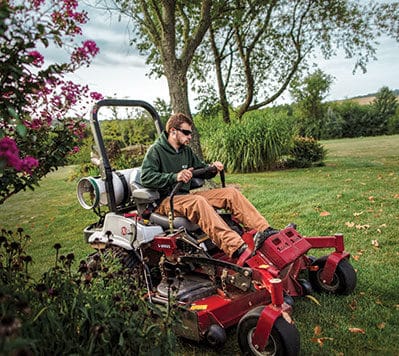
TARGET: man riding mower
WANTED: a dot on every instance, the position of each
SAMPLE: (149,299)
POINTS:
(224,263)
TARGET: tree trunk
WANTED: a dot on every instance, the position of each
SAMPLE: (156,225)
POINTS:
(178,89)
(221,87)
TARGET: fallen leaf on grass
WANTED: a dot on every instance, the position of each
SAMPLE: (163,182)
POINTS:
(371,198)
(320,340)
(362,227)
(381,325)
(317,330)
(357,330)
(396,196)
(358,214)
(324,213)
(375,243)
(313,299)
(353,305)
(350,224)
(356,257)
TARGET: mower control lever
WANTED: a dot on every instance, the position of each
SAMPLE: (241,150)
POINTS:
(209,172)
(205,173)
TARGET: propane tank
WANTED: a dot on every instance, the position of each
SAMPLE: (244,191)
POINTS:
(91,191)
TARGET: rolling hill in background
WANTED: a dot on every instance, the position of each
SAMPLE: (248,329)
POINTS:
(366,99)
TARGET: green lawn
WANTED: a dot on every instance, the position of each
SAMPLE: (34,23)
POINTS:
(355,193)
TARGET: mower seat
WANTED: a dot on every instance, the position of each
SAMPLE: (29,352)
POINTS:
(145,198)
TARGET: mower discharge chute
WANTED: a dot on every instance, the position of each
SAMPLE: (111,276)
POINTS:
(213,291)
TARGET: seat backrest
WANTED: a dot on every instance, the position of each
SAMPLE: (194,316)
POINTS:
(135,179)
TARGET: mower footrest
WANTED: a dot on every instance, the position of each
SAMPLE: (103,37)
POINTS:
(285,247)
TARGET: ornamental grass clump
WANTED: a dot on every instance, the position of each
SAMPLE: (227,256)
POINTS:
(94,310)
(253,144)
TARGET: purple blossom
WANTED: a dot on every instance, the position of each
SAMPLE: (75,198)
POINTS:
(70,4)
(38,59)
(34,124)
(91,47)
(28,164)
(82,54)
(10,154)
(37,3)
(96,96)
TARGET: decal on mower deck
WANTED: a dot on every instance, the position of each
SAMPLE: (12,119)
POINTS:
(165,244)
(124,230)
(199,307)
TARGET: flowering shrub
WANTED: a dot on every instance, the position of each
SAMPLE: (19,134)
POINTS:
(40,122)
(96,310)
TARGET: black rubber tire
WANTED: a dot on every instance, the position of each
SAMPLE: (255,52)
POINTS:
(344,280)
(283,339)
(216,336)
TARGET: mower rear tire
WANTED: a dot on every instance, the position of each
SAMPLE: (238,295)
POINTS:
(283,339)
(344,279)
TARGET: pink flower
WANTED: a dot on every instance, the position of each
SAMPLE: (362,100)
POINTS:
(9,153)
(34,124)
(71,4)
(80,17)
(75,149)
(37,3)
(8,145)
(91,47)
(82,54)
(28,164)
(38,59)
(96,96)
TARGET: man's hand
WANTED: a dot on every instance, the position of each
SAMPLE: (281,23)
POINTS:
(185,175)
(218,165)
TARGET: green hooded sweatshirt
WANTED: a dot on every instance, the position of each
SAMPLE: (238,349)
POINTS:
(162,163)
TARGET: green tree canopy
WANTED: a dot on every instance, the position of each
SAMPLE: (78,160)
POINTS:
(309,94)
(249,51)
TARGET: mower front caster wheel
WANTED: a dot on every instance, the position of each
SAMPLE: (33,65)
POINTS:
(344,279)
(283,339)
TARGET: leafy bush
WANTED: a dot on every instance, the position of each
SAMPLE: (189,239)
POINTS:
(99,310)
(393,123)
(357,119)
(40,119)
(253,144)
(333,126)
(305,152)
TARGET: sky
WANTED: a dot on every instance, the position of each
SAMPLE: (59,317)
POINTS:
(118,71)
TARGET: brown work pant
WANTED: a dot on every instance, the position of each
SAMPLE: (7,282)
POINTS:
(199,208)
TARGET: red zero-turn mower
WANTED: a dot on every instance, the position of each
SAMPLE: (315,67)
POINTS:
(214,292)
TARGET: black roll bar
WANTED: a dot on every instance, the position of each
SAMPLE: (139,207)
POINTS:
(106,170)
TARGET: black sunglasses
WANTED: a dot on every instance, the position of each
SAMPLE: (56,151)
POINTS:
(185,132)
